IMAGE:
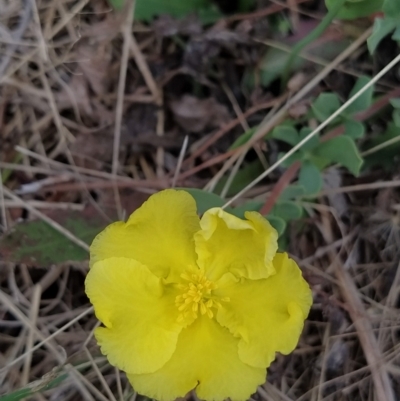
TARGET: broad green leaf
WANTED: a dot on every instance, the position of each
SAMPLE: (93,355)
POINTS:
(278,223)
(310,178)
(243,177)
(395,102)
(318,161)
(292,192)
(291,159)
(396,33)
(148,9)
(391,8)
(354,129)
(342,150)
(364,100)
(287,210)
(325,105)
(396,117)
(356,8)
(286,134)
(36,243)
(311,143)
(251,206)
(204,200)
(273,64)
(382,28)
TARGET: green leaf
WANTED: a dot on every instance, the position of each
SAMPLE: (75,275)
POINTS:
(286,134)
(251,206)
(287,210)
(391,8)
(325,105)
(311,143)
(36,243)
(243,177)
(356,8)
(242,139)
(34,387)
(292,192)
(382,27)
(291,159)
(396,33)
(273,64)
(363,101)
(396,117)
(148,9)
(310,178)
(278,223)
(354,129)
(342,150)
(395,102)
(275,61)
(204,200)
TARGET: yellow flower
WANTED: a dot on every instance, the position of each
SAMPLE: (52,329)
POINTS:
(194,304)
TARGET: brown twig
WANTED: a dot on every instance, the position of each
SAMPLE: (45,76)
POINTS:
(282,183)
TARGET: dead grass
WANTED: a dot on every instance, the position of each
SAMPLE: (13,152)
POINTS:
(86,113)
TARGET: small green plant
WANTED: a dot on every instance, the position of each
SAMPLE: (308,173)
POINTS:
(388,24)
(384,25)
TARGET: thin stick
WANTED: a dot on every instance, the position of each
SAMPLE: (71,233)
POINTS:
(39,33)
(127,29)
(81,170)
(31,336)
(157,95)
(2,204)
(317,130)
(100,376)
(381,146)
(361,187)
(180,160)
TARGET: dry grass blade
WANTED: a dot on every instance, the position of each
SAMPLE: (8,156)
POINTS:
(31,336)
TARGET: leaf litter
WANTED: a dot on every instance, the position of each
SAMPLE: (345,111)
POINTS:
(70,131)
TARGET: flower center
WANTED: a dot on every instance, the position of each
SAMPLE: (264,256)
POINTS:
(197,295)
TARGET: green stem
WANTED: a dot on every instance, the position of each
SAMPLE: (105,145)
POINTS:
(313,35)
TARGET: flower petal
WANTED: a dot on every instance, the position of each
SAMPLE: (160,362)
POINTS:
(229,244)
(159,234)
(206,356)
(138,311)
(267,315)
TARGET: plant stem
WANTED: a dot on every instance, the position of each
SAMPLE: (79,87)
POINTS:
(313,35)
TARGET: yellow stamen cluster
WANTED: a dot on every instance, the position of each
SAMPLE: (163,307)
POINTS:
(196,296)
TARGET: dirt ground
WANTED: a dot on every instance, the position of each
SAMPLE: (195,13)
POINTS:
(98,111)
